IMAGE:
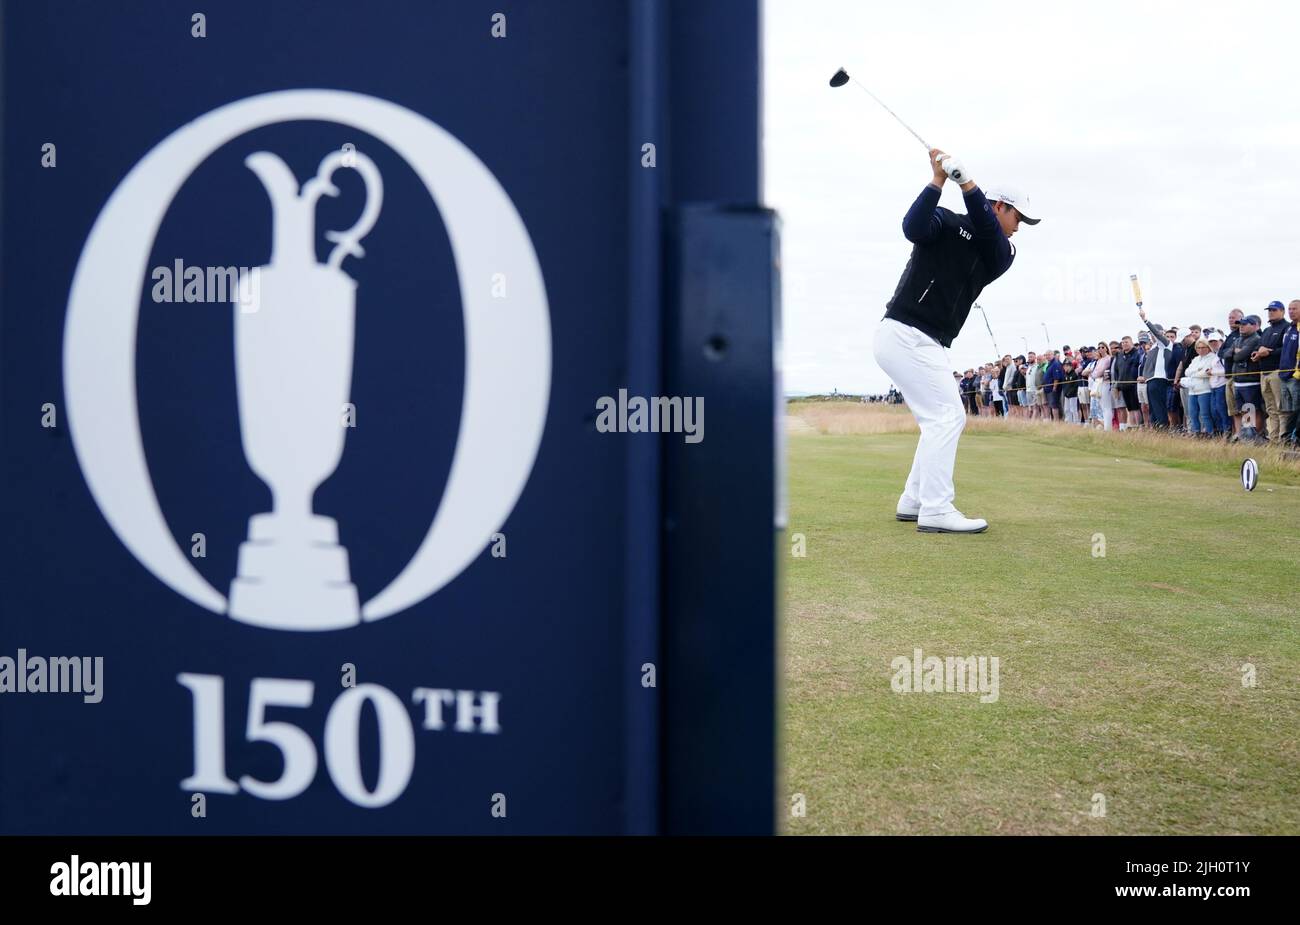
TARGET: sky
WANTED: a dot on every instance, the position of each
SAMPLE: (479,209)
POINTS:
(1154,138)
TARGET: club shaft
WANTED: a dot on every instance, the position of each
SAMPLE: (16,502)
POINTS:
(989,327)
(891,112)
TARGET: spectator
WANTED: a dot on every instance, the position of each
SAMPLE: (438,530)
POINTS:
(1287,366)
(1154,372)
(1009,384)
(1143,343)
(996,401)
(1199,376)
(1034,385)
(963,389)
(1219,387)
(1117,400)
(1020,384)
(1225,354)
(1083,364)
(1070,391)
(1181,353)
(1269,353)
(1151,351)
(1171,335)
(1103,394)
(1144,390)
(1194,333)
(1123,374)
(1143,349)
(1053,376)
(1245,373)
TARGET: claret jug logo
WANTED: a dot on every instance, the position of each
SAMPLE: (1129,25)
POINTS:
(293,353)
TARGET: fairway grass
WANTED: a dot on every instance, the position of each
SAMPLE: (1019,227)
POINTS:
(1120,675)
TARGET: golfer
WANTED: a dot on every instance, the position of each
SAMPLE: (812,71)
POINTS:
(953,258)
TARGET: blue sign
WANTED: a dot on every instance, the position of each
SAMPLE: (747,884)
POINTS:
(308,314)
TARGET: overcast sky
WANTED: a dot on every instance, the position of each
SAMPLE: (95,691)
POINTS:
(1155,138)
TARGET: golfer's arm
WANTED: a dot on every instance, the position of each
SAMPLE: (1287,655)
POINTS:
(921,224)
(981,214)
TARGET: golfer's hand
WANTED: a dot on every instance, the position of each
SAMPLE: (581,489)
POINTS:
(940,175)
(1142,313)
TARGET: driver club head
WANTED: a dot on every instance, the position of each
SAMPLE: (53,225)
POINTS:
(839,78)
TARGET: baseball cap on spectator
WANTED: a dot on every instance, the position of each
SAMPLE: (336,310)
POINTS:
(1250,319)
(1144,338)
(1276,306)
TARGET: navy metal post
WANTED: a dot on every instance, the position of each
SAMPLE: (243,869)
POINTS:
(646,192)
(721,500)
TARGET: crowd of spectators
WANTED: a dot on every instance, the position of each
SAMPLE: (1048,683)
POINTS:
(892,397)
(1241,382)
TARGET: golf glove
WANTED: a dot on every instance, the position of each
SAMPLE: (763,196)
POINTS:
(954,168)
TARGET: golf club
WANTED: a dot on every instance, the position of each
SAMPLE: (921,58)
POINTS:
(990,328)
(955,172)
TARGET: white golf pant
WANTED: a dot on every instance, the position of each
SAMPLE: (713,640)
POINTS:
(918,364)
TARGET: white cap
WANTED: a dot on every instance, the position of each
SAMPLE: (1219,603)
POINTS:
(1014,197)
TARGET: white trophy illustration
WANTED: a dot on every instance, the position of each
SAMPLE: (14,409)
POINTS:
(294,332)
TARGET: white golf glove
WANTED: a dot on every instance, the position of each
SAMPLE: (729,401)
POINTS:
(954,168)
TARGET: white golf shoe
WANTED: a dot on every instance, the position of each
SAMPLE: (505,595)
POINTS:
(952,522)
(907,512)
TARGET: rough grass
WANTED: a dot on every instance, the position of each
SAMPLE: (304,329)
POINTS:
(845,418)
(1120,675)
